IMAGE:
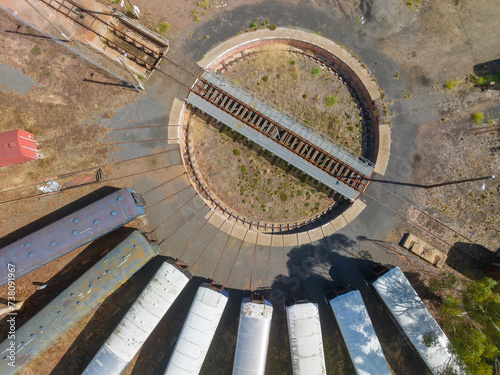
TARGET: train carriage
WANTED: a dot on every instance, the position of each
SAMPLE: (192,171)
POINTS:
(139,321)
(70,232)
(198,331)
(75,302)
(253,337)
(359,335)
(306,342)
(415,320)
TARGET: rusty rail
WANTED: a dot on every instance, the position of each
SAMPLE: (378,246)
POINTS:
(74,12)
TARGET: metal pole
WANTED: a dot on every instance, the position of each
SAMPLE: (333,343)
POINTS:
(137,80)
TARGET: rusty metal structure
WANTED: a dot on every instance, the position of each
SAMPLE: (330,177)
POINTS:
(114,35)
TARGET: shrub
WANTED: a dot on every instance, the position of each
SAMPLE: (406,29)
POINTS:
(478,117)
(284,197)
(236,152)
(254,25)
(194,13)
(265,78)
(316,71)
(304,96)
(292,62)
(331,100)
(163,27)
(204,4)
(451,84)
(272,27)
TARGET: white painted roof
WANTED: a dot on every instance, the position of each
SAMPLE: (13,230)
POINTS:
(253,338)
(306,343)
(359,335)
(197,332)
(146,312)
(415,319)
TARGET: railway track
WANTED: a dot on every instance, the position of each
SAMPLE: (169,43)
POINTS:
(119,33)
(281,135)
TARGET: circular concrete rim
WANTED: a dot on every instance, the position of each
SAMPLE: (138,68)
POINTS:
(227,48)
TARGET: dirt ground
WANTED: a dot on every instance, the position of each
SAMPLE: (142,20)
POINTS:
(458,152)
(64,111)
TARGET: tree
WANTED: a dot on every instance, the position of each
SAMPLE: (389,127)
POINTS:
(472,320)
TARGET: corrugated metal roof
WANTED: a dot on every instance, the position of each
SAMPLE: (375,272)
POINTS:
(253,338)
(306,343)
(108,363)
(359,335)
(415,320)
(273,147)
(76,301)
(361,166)
(197,333)
(140,320)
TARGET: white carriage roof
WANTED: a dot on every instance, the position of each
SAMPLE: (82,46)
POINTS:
(146,312)
(253,338)
(359,335)
(306,343)
(197,333)
(415,319)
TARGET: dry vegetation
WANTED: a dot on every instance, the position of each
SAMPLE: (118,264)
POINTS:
(300,87)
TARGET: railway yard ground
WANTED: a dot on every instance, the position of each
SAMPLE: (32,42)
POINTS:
(422,55)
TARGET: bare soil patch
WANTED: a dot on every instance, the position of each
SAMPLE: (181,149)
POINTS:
(450,150)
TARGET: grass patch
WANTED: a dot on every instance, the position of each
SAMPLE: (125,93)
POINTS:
(331,100)
(194,13)
(163,27)
(316,71)
(451,84)
(206,4)
(478,117)
(486,79)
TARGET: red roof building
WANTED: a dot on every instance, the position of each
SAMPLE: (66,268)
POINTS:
(17,146)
